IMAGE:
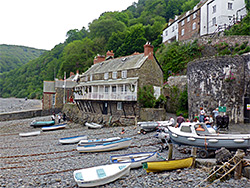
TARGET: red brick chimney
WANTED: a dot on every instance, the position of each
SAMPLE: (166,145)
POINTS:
(99,58)
(110,54)
(149,50)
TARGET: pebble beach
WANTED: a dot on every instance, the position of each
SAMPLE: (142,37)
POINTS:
(41,161)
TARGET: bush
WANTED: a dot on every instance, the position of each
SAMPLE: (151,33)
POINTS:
(146,96)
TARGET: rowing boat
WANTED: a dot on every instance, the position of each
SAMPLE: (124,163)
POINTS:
(93,125)
(54,127)
(157,166)
(97,141)
(136,159)
(72,139)
(34,133)
(100,175)
(41,123)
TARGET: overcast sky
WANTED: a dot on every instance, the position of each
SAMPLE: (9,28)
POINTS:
(43,24)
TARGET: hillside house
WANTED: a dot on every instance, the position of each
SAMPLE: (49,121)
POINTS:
(58,92)
(110,86)
(206,18)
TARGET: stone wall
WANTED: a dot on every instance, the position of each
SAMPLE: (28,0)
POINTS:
(219,81)
(152,114)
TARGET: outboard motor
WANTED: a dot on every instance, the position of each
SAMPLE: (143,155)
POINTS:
(225,121)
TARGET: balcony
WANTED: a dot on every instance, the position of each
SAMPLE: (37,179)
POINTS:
(114,96)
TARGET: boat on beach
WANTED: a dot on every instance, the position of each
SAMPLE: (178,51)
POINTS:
(84,142)
(158,166)
(72,139)
(54,127)
(34,133)
(100,175)
(93,125)
(108,146)
(41,123)
(136,159)
(153,125)
(197,134)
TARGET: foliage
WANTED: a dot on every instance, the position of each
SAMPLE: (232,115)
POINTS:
(224,49)
(12,57)
(146,96)
(174,57)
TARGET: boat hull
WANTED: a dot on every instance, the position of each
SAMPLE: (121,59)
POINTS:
(98,141)
(54,127)
(41,123)
(34,133)
(100,175)
(72,140)
(109,146)
(136,159)
(157,166)
(93,125)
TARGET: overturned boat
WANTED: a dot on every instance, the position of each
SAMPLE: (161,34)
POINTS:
(41,123)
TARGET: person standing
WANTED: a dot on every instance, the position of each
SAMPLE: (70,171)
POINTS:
(180,119)
(202,115)
(59,117)
(53,117)
(216,112)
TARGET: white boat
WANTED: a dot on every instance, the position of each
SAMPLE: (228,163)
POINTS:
(34,133)
(93,125)
(97,141)
(100,175)
(108,146)
(136,159)
(54,127)
(72,139)
(153,125)
(197,134)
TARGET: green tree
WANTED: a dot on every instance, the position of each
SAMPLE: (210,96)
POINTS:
(146,96)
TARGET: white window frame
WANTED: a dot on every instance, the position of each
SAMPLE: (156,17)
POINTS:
(106,89)
(214,9)
(230,6)
(182,32)
(194,26)
(91,77)
(188,19)
(213,21)
(106,75)
(114,75)
(182,22)
(119,105)
(124,74)
(194,15)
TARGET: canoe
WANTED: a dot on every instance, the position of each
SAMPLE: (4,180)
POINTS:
(136,159)
(34,133)
(54,127)
(93,125)
(157,166)
(108,146)
(72,139)
(100,175)
(98,141)
(41,123)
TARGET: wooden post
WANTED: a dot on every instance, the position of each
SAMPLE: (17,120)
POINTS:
(170,151)
(194,154)
(238,170)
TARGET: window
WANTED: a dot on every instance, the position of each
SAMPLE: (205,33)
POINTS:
(188,19)
(124,74)
(106,89)
(91,77)
(230,6)
(182,32)
(214,9)
(86,78)
(114,75)
(194,25)
(194,15)
(113,89)
(214,21)
(53,99)
(173,29)
(182,22)
(119,106)
(166,33)
(124,88)
(106,76)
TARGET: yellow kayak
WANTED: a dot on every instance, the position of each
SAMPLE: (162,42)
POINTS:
(157,166)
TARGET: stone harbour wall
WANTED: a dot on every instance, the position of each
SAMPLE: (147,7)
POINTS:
(219,81)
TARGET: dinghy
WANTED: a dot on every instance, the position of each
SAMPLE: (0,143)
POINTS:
(100,175)
(157,166)
(93,125)
(41,123)
(153,125)
(98,141)
(54,127)
(72,139)
(136,159)
(34,133)
(108,146)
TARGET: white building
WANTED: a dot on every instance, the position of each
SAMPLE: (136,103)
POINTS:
(216,15)
(170,34)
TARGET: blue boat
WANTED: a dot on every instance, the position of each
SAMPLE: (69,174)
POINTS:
(54,127)
(41,123)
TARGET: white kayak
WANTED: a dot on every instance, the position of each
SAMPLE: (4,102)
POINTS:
(54,127)
(34,133)
(100,175)
(98,141)
(72,139)
(136,159)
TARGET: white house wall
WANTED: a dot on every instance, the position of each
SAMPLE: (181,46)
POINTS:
(172,32)
(222,14)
